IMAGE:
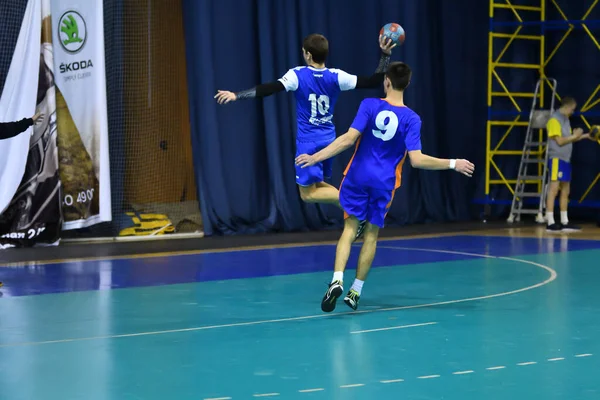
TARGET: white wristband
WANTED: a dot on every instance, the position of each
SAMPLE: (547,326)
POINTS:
(452,164)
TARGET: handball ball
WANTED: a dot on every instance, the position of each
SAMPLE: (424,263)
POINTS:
(393,31)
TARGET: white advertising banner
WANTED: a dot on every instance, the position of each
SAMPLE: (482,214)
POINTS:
(79,65)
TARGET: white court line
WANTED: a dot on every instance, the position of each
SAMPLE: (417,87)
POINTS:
(402,380)
(462,253)
(352,385)
(429,377)
(311,390)
(527,363)
(395,327)
(463,372)
(551,278)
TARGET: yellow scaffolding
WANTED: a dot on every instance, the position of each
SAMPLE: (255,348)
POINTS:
(511,26)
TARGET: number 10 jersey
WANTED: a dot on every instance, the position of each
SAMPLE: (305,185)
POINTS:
(316,91)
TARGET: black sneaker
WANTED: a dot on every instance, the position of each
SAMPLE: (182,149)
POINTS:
(361,229)
(554,228)
(570,228)
(333,293)
(352,299)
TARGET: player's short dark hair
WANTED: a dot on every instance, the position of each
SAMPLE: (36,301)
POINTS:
(399,74)
(568,101)
(318,46)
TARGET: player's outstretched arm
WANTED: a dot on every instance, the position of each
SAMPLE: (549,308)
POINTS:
(423,161)
(262,90)
(376,80)
(340,144)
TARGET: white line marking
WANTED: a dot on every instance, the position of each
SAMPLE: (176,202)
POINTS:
(393,381)
(556,359)
(583,355)
(311,390)
(550,279)
(527,363)
(463,372)
(461,253)
(495,368)
(219,398)
(395,327)
(352,386)
(429,377)
(266,395)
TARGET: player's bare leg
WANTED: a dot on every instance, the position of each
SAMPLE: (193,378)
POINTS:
(565,190)
(336,287)
(344,245)
(321,192)
(553,189)
(365,260)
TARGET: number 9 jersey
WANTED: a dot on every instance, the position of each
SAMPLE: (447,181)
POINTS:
(387,133)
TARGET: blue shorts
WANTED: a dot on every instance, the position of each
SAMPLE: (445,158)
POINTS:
(315,173)
(365,203)
(559,170)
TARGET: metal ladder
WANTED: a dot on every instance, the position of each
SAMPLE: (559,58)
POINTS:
(529,166)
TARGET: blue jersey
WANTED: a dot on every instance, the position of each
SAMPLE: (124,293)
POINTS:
(387,133)
(316,92)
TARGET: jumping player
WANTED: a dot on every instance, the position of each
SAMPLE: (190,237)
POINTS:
(316,89)
(384,131)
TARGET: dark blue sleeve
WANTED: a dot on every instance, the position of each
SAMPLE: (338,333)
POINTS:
(362,117)
(413,134)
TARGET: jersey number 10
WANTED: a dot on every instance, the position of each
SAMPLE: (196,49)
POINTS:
(321,103)
(385,129)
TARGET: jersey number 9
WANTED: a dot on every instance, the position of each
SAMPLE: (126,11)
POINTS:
(387,125)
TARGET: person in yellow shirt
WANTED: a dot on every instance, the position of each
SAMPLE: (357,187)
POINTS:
(560,148)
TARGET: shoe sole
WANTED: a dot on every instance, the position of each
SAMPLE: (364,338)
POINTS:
(328,303)
(347,302)
(571,230)
(360,233)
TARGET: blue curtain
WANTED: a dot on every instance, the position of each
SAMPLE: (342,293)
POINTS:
(244,152)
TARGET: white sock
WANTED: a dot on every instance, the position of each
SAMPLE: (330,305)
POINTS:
(357,285)
(550,217)
(564,219)
(338,276)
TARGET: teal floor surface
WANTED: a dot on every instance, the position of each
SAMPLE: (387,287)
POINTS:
(453,318)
